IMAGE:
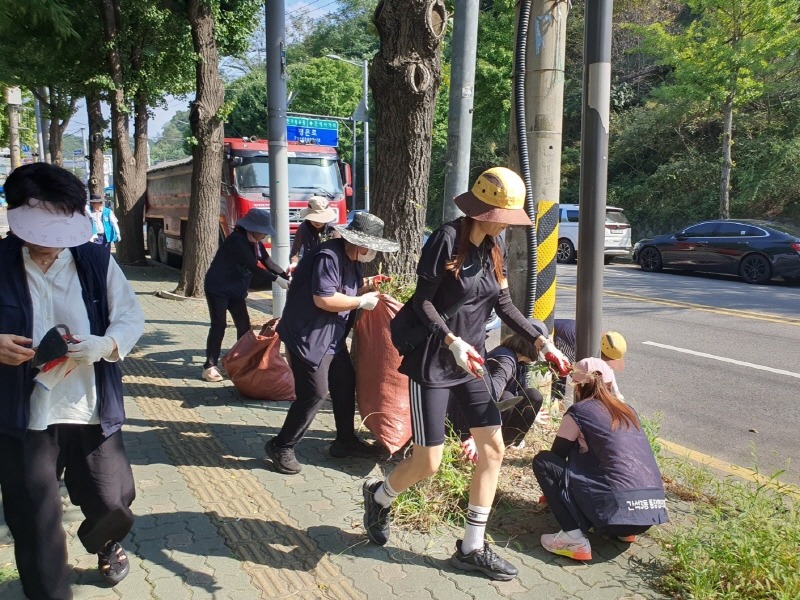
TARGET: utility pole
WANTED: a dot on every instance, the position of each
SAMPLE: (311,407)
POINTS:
(353,166)
(459,120)
(594,175)
(275,15)
(37,115)
(13,101)
(85,154)
(365,94)
(544,108)
(45,128)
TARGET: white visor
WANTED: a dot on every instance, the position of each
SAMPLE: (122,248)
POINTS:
(39,226)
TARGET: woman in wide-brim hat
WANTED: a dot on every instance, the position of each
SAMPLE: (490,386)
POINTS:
(327,288)
(315,228)
(241,262)
(462,261)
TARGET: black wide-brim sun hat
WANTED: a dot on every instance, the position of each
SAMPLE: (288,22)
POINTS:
(366,231)
(257,220)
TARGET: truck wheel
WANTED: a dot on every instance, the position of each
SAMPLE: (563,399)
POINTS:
(163,255)
(152,241)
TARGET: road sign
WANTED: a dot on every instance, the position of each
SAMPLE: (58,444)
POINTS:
(324,132)
(77,153)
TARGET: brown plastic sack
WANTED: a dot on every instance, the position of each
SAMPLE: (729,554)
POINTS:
(256,367)
(381,391)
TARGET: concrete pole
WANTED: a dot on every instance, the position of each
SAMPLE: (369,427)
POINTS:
(13,100)
(85,155)
(459,119)
(594,175)
(275,14)
(353,166)
(544,105)
(37,114)
(365,93)
(45,129)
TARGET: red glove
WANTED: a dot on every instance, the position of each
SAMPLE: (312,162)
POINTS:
(556,357)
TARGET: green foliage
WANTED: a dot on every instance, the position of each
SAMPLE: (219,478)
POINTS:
(349,32)
(8,573)
(739,545)
(173,143)
(440,499)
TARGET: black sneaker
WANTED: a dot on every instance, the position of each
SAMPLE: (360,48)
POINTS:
(283,459)
(376,517)
(356,448)
(484,560)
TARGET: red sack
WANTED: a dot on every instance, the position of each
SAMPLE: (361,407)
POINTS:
(381,391)
(256,367)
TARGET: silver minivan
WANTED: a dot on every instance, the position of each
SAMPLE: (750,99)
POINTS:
(618,234)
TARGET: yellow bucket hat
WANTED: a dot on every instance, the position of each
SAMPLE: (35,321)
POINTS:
(498,196)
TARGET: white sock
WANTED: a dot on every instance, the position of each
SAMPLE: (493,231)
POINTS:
(574,534)
(475,529)
(385,495)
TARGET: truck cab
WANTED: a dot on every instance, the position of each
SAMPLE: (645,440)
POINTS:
(313,171)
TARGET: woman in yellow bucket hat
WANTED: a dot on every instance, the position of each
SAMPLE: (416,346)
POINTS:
(463,264)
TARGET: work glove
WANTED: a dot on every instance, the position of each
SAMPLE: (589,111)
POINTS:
(368,301)
(282,283)
(467,357)
(376,280)
(556,357)
(469,450)
(91,348)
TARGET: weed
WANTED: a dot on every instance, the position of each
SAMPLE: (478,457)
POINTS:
(8,573)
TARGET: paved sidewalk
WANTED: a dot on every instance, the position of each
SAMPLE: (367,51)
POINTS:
(215,521)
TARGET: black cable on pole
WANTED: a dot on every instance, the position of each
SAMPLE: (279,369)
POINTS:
(522,142)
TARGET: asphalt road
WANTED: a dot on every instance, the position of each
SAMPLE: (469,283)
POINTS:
(716,357)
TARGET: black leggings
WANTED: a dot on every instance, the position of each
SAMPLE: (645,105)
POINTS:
(334,373)
(218,306)
(548,467)
(99,480)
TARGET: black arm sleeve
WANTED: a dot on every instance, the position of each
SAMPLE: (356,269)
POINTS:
(562,446)
(426,311)
(515,320)
(297,243)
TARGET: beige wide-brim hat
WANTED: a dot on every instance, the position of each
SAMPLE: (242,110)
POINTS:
(318,211)
(366,231)
(35,223)
(498,196)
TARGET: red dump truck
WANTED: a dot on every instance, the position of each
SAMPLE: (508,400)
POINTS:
(313,170)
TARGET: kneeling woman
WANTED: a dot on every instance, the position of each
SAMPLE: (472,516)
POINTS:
(600,472)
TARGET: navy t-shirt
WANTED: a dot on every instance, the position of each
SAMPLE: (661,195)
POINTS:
(564,337)
(308,331)
(432,364)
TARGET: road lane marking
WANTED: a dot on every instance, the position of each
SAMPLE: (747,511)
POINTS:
(730,312)
(720,465)
(724,359)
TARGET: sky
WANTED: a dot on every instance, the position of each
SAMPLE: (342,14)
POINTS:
(310,8)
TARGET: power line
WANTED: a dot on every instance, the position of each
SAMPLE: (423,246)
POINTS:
(302,14)
(304,7)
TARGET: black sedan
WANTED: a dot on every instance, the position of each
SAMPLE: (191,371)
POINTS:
(755,250)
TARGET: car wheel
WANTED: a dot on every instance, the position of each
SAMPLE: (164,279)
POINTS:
(755,268)
(565,252)
(607,260)
(650,259)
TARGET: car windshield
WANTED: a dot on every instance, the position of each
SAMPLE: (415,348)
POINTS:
(304,173)
(784,228)
(616,216)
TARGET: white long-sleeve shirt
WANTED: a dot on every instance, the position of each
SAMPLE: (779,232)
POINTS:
(56,298)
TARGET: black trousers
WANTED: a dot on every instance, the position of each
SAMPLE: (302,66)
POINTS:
(99,480)
(218,307)
(548,467)
(335,373)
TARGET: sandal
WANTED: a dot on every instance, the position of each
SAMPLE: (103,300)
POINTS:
(113,563)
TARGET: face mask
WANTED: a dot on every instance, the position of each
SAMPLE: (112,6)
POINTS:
(368,257)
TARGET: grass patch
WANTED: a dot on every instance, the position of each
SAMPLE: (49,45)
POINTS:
(8,573)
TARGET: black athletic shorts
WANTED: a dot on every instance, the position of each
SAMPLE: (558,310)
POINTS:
(429,409)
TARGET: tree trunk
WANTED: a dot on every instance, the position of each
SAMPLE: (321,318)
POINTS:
(130,179)
(202,230)
(97,126)
(406,70)
(727,162)
(61,107)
